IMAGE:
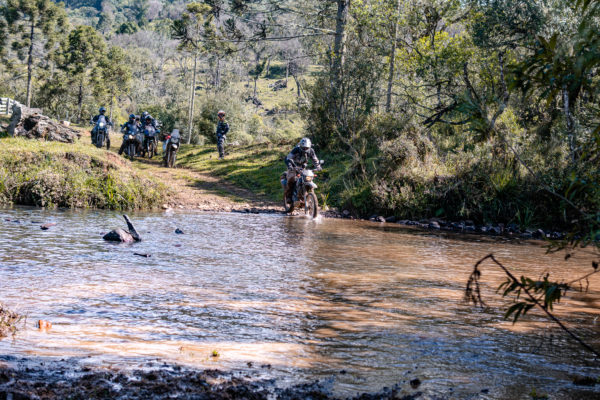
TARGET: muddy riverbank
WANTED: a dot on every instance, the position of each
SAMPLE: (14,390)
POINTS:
(28,379)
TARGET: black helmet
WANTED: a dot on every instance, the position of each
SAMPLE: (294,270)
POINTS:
(102,110)
(144,114)
(131,116)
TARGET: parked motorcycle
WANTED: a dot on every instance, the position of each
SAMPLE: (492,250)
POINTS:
(102,132)
(303,194)
(150,141)
(171,148)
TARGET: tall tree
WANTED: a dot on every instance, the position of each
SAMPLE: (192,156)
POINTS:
(190,31)
(79,55)
(36,22)
(113,76)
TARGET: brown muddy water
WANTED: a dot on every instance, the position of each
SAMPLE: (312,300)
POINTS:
(357,304)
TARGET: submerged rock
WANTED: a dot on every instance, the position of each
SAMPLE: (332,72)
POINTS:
(47,226)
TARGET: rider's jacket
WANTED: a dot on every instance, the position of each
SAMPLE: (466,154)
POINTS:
(131,128)
(222,128)
(300,157)
(97,117)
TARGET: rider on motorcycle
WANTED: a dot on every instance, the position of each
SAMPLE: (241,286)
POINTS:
(149,121)
(131,127)
(94,121)
(298,158)
(145,116)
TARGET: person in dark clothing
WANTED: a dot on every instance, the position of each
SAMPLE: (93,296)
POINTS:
(298,159)
(144,120)
(94,121)
(222,129)
(131,127)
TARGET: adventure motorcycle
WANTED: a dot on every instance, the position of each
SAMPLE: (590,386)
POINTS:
(150,141)
(171,149)
(131,145)
(303,194)
(102,133)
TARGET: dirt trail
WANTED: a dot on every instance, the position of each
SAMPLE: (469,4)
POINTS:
(201,191)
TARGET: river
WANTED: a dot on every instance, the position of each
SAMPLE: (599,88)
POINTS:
(362,305)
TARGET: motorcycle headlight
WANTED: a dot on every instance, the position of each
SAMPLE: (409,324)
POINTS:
(101,125)
(131,137)
(308,178)
(175,146)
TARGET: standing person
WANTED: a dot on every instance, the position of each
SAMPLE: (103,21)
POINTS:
(222,129)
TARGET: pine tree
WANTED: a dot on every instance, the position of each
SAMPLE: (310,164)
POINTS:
(34,22)
(83,50)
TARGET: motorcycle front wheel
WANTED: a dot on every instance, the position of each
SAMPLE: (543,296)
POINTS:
(131,151)
(288,204)
(311,205)
(99,140)
(172,158)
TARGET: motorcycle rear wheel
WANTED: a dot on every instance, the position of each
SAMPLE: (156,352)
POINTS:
(311,205)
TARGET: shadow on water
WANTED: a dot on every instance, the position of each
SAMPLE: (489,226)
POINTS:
(309,298)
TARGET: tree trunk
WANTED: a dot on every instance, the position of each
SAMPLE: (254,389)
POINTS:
(388,103)
(339,49)
(80,100)
(30,62)
(112,100)
(268,67)
(570,124)
(255,80)
(218,77)
(192,98)
(287,71)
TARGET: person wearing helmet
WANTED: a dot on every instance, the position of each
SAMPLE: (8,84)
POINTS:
(131,127)
(94,121)
(222,129)
(144,120)
(298,160)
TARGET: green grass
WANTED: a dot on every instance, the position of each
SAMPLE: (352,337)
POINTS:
(258,168)
(51,174)
(253,167)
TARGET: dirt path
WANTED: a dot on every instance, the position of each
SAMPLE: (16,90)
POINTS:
(201,191)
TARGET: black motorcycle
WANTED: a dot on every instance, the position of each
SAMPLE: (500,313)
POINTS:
(150,141)
(131,145)
(171,148)
(101,128)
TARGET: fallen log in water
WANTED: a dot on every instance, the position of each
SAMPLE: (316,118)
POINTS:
(123,236)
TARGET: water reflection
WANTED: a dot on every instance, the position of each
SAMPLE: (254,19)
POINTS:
(311,298)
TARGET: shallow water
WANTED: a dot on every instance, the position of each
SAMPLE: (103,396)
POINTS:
(359,304)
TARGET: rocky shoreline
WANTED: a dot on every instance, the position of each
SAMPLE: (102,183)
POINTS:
(434,224)
(25,379)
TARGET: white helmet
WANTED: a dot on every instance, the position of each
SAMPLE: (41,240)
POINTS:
(305,144)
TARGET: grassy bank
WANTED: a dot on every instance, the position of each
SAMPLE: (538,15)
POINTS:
(50,174)
(412,187)
(259,167)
